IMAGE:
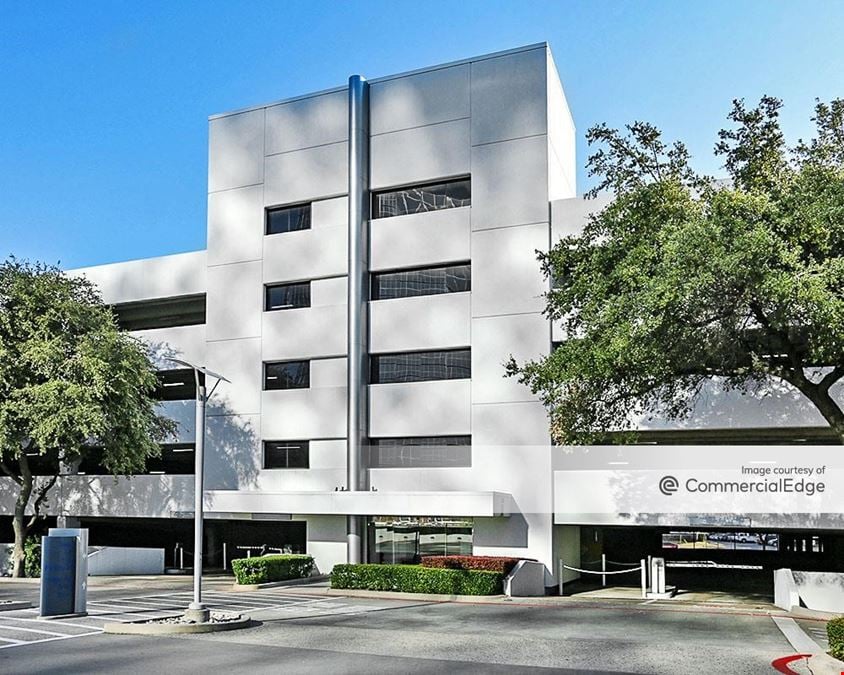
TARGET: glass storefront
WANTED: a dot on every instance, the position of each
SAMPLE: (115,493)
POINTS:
(405,539)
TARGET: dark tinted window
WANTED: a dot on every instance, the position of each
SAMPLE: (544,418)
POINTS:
(450,364)
(288,296)
(289,219)
(176,458)
(287,375)
(286,454)
(421,198)
(188,310)
(420,452)
(428,281)
(176,385)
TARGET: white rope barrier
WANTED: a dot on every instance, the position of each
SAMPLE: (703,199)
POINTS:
(582,571)
(641,568)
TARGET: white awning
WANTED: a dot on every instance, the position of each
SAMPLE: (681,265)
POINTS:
(466,504)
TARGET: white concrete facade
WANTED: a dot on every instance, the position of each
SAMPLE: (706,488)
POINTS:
(501,120)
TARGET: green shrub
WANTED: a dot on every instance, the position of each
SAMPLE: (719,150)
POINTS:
(272,568)
(835,633)
(416,579)
(32,557)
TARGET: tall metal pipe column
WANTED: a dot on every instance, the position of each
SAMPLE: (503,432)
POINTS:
(358,328)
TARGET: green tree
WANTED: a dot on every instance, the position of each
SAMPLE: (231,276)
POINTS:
(71,385)
(682,280)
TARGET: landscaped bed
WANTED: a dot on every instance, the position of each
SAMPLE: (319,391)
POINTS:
(442,575)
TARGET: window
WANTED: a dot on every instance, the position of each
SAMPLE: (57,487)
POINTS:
(451,364)
(289,219)
(427,281)
(287,375)
(420,452)
(287,296)
(187,310)
(286,454)
(421,198)
(176,385)
(405,539)
(175,459)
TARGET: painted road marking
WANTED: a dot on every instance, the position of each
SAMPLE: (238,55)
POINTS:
(794,634)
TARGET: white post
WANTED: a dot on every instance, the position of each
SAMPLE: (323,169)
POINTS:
(561,577)
(197,610)
(225,557)
(181,557)
(604,569)
(644,578)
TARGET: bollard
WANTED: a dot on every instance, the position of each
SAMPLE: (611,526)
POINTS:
(225,557)
(604,569)
(644,578)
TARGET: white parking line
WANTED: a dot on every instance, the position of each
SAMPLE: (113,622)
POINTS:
(20,643)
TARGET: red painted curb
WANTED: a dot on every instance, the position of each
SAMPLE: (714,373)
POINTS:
(781,664)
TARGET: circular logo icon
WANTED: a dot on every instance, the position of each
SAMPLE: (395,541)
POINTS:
(668,485)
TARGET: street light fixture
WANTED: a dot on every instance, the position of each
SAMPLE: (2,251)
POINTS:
(196,611)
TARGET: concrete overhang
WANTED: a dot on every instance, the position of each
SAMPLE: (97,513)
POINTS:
(465,504)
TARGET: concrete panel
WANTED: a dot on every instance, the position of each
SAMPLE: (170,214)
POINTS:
(326,541)
(331,291)
(240,362)
(328,373)
(162,277)
(317,120)
(122,560)
(562,176)
(303,175)
(153,496)
(235,301)
(232,453)
(426,322)
(304,333)
(304,413)
(510,183)
(236,150)
(235,225)
(181,342)
(506,278)
(330,212)
(494,340)
(420,239)
(415,100)
(508,96)
(570,216)
(305,254)
(419,155)
(420,408)
(523,423)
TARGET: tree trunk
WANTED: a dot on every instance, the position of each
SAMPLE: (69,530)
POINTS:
(20,526)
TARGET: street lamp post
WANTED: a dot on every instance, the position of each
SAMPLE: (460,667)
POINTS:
(197,611)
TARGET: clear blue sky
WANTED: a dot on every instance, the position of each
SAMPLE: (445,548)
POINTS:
(104,105)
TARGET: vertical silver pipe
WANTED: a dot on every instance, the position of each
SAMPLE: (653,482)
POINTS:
(358,322)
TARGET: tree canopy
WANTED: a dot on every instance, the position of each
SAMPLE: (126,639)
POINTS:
(683,280)
(72,384)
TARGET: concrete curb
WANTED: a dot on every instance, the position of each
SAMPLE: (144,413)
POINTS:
(147,628)
(279,584)
(425,597)
(9,606)
(824,664)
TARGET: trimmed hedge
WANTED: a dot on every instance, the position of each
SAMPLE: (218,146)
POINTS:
(272,568)
(489,563)
(835,633)
(416,579)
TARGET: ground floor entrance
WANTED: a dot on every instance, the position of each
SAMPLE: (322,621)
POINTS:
(707,559)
